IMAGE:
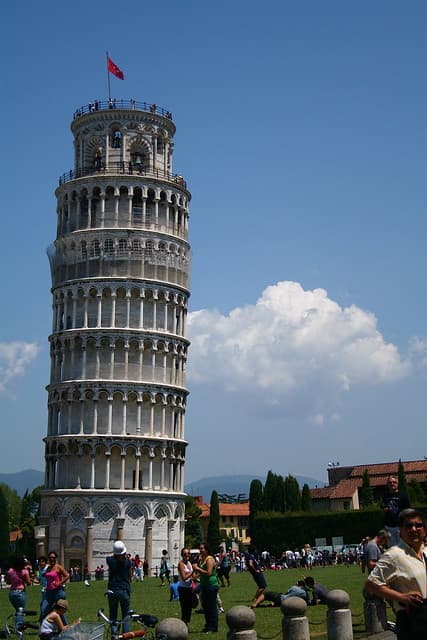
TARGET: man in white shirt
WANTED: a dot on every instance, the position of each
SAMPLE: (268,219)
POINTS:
(400,576)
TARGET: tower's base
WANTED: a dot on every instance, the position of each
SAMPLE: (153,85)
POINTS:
(82,527)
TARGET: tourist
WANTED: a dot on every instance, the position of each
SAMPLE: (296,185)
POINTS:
(256,573)
(319,591)
(185,585)
(19,578)
(56,578)
(297,590)
(173,589)
(209,586)
(393,503)
(119,579)
(42,581)
(52,623)
(374,549)
(400,576)
(165,571)
(224,567)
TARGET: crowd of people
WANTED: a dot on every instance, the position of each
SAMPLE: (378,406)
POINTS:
(393,559)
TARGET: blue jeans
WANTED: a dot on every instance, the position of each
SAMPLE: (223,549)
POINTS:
(208,593)
(51,596)
(115,598)
(17,598)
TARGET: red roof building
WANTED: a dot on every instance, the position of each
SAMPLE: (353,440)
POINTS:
(343,491)
(233,519)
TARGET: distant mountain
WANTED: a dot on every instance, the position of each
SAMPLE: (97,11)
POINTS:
(233,485)
(23,480)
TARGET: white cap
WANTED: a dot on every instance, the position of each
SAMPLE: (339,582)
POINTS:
(119,548)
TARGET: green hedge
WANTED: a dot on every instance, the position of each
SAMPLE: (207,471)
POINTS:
(277,531)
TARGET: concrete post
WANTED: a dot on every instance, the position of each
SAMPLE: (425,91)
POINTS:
(240,621)
(338,620)
(172,629)
(294,622)
(374,610)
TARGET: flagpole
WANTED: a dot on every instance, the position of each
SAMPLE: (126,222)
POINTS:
(108,78)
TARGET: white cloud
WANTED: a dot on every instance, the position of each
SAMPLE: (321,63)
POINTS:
(294,347)
(15,357)
(418,351)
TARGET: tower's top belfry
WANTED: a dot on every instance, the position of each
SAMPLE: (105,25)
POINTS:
(123,179)
(118,135)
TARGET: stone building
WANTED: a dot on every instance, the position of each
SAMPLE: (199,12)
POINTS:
(345,483)
(120,266)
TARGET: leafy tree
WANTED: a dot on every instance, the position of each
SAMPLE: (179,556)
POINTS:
(256,497)
(401,476)
(292,494)
(415,493)
(4,528)
(306,498)
(366,492)
(30,510)
(193,527)
(213,533)
(13,505)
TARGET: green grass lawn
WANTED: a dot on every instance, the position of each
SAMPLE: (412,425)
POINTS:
(149,597)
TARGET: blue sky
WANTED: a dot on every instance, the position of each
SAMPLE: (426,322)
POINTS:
(301,131)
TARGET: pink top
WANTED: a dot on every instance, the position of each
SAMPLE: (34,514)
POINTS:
(17,579)
(53,580)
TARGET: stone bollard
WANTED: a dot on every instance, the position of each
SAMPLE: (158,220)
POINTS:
(338,619)
(171,629)
(375,614)
(240,621)
(294,623)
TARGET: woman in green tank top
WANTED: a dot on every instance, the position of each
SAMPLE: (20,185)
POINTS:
(209,586)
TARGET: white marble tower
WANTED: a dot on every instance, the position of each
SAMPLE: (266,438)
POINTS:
(120,267)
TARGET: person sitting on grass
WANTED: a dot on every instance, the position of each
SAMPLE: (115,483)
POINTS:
(52,624)
(173,588)
(319,591)
(275,599)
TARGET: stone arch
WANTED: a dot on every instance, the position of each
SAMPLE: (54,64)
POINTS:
(140,153)
(94,149)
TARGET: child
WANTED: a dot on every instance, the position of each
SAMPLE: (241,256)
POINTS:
(173,588)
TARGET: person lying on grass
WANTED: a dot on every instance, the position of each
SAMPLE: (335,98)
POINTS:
(275,598)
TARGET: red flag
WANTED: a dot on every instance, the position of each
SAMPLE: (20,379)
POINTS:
(114,69)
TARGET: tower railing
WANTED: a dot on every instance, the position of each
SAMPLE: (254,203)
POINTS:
(128,104)
(122,168)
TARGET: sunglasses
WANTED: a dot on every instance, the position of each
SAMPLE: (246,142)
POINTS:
(412,525)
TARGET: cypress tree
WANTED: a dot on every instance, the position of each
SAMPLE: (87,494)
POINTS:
(292,494)
(256,496)
(306,498)
(213,533)
(401,476)
(269,492)
(366,492)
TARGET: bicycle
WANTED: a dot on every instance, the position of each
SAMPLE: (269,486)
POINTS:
(16,624)
(112,628)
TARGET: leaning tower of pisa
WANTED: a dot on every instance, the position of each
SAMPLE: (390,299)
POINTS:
(120,267)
